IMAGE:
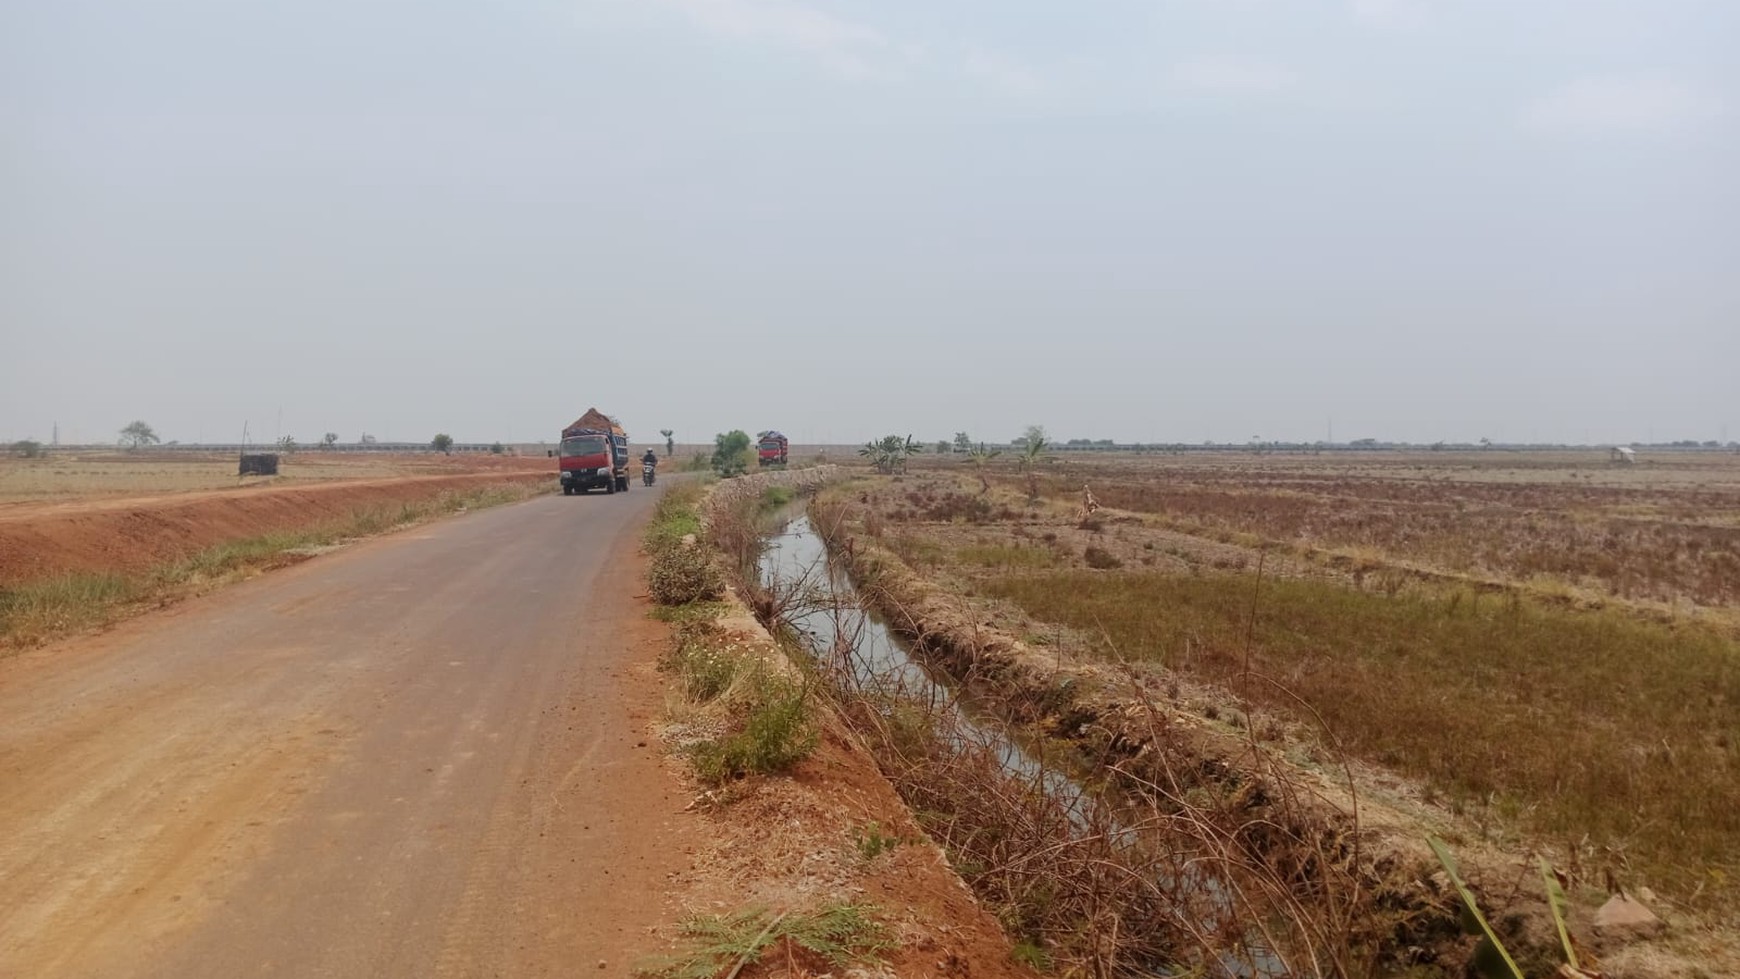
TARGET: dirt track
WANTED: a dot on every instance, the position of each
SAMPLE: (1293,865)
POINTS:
(417,756)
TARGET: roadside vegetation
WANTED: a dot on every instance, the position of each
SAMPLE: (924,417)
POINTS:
(680,573)
(746,712)
(832,937)
(759,712)
(35,612)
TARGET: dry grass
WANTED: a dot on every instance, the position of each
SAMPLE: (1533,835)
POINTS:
(1670,542)
(1585,694)
(1581,723)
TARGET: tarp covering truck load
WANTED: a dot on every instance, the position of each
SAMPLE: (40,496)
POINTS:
(594,455)
(771,448)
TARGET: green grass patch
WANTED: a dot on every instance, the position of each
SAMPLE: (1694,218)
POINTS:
(769,715)
(776,730)
(692,612)
(675,516)
(838,934)
(1575,722)
(775,497)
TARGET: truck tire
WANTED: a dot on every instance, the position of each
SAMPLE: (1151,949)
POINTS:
(610,485)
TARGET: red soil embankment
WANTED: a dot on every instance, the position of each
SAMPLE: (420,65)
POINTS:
(38,541)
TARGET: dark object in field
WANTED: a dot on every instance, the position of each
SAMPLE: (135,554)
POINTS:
(259,464)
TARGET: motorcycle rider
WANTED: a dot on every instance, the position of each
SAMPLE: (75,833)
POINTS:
(650,459)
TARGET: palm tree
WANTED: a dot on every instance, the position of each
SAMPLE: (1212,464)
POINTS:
(979,457)
(908,450)
(670,442)
(1032,445)
(886,453)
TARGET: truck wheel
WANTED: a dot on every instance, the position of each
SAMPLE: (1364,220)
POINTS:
(610,485)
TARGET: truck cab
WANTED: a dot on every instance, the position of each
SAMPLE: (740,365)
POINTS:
(771,449)
(593,459)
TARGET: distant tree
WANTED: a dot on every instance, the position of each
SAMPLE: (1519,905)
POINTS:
(889,452)
(670,442)
(731,453)
(496,448)
(27,449)
(442,443)
(944,447)
(138,435)
(366,439)
(963,442)
(287,445)
(329,440)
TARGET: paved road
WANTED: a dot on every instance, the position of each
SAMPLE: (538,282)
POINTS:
(416,756)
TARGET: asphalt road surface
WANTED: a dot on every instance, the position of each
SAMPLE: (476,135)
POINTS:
(421,755)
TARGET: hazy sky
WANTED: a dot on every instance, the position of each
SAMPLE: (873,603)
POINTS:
(1132,219)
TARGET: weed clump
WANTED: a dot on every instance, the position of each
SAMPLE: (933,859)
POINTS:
(1101,559)
(771,727)
(681,573)
(838,934)
(777,732)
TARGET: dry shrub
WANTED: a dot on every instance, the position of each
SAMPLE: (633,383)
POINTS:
(1192,873)
(679,575)
(1101,559)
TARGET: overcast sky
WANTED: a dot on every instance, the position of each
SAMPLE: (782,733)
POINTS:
(1131,219)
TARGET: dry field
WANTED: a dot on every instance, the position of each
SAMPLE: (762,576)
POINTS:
(85,540)
(64,477)
(1546,646)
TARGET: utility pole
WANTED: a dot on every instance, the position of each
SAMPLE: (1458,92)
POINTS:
(55,440)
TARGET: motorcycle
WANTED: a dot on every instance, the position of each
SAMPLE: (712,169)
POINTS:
(646,473)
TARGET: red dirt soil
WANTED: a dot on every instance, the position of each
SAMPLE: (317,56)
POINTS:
(138,533)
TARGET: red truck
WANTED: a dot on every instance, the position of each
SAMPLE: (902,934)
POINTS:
(771,448)
(593,454)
